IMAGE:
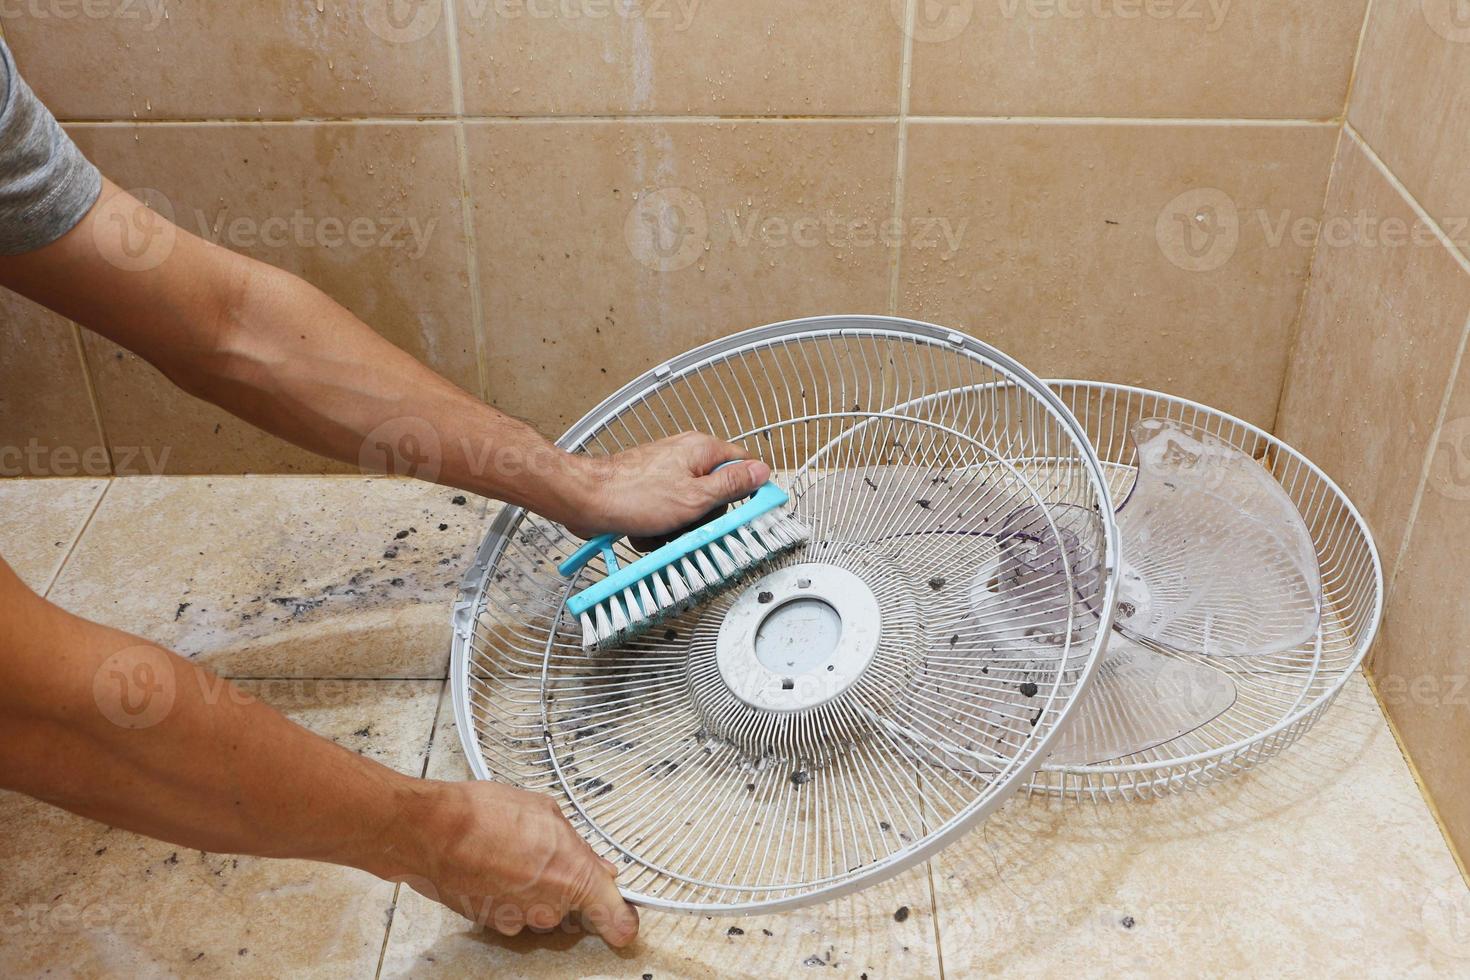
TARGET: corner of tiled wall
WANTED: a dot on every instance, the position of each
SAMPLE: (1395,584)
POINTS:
(1377,391)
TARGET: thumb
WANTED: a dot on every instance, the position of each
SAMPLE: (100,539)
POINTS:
(736,480)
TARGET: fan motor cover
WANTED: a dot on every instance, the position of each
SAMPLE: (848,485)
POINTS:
(842,714)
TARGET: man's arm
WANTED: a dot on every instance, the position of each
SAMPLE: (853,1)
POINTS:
(115,728)
(279,353)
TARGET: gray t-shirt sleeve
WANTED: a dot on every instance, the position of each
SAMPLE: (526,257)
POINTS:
(46,185)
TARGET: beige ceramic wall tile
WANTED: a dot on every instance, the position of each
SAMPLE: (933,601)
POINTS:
(82,899)
(1151,255)
(370,213)
(1193,58)
(1324,862)
(39,522)
(608,247)
(1379,332)
(47,426)
(1420,666)
(159,59)
(886,931)
(279,576)
(1411,102)
(758,57)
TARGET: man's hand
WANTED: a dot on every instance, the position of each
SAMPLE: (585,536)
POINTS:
(664,485)
(507,860)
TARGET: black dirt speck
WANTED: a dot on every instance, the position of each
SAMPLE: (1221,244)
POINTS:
(459,501)
(884,825)
(799,776)
(443,527)
(390,553)
(400,535)
(925,504)
(1128,922)
(814,960)
(1028,689)
(767,932)
(901,914)
(734,931)
(954,639)
(764,598)
(870,483)
(180,611)
(936,583)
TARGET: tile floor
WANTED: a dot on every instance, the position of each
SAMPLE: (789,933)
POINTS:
(1326,862)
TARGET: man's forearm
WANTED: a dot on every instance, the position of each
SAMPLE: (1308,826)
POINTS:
(120,730)
(294,362)
(279,353)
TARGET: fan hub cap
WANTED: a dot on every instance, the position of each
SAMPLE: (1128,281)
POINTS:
(798,637)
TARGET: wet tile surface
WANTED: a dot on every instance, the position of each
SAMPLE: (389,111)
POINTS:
(39,522)
(1148,255)
(280,577)
(275,58)
(1379,335)
(885,931)
(1323,862)
(81,899)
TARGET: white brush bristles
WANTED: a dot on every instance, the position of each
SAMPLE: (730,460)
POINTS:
(679,586)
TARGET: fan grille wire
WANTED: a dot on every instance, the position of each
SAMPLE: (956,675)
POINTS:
(1278,696)
(715,806)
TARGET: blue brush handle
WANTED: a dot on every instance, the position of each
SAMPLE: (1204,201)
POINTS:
(588,551)
(766,499)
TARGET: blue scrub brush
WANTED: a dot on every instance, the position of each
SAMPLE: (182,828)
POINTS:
(677,576)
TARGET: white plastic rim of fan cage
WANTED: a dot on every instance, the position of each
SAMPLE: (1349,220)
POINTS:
(798,637)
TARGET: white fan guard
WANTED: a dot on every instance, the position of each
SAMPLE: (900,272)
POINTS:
(952,497)
(1277,696)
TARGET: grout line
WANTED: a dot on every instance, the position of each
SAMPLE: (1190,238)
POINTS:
(76,540)
(1332,174)
(1393,728)
(1353,73)
(96,403)
(1454,247)
(440,119)
(1433,446)
(1160,121)
(934,914)
(900,162)
(467,207)
(398,886)
(1295,331)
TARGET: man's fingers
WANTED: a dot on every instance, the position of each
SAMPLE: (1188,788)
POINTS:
(606,913)
(736,481)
